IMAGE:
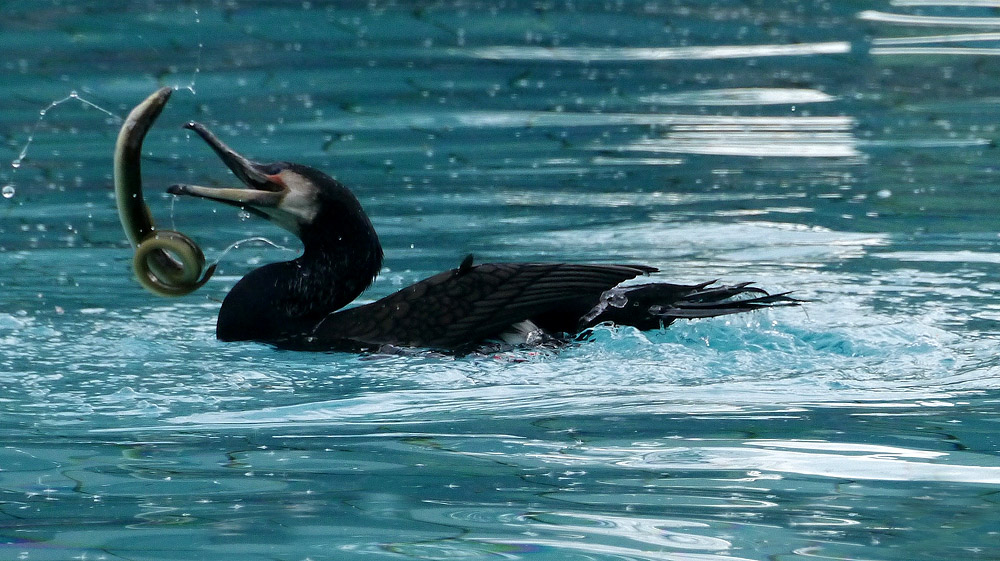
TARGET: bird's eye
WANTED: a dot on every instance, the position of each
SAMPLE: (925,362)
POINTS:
(271,169)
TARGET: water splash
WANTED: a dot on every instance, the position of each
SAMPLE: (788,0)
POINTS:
(201,47)
(237,244)
(42,113)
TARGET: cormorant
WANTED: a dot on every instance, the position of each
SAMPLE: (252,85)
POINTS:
(298,303)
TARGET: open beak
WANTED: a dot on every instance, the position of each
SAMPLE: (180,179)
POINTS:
(263,193)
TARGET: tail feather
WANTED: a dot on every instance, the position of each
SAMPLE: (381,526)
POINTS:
(716,293)
(648,306)
(685,309)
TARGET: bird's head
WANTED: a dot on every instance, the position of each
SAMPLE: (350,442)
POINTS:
(292,196)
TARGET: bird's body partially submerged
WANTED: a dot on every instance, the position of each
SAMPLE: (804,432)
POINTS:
(299,303)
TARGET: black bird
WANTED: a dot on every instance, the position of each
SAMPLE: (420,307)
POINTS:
(298,303)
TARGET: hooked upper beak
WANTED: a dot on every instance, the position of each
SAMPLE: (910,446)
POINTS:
(263,191)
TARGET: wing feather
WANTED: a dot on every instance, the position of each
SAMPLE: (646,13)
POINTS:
(466,305)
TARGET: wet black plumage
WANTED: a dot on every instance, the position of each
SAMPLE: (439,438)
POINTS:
(466,305)
(299,303)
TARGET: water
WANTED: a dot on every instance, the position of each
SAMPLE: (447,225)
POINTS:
(843,150)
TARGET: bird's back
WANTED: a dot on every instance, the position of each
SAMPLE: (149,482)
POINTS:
(471,303)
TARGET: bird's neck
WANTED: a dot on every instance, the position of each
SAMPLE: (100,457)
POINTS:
(286,299)
(328,277)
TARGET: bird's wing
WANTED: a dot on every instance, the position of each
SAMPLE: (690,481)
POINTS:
(471,303)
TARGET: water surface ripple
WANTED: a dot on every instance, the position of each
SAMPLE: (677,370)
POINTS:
(844,151)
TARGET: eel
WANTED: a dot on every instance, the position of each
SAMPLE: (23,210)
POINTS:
(166,262)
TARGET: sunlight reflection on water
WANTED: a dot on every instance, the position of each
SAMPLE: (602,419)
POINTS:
(843,154)
(604,54)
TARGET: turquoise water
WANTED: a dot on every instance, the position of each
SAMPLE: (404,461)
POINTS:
(843,150)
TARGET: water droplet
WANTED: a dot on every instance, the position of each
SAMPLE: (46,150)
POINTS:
(42,112)
(7,191)
(16,163)
(244,215)
(74,94)
(615,299)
